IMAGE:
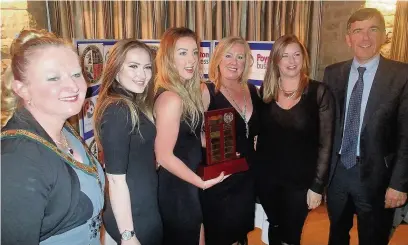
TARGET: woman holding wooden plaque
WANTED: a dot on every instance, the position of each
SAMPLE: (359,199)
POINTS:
(229,208)
(179,113)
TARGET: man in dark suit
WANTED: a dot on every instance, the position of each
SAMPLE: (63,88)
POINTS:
(369,170)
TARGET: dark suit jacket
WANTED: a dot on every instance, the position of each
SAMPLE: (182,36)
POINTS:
(384,132)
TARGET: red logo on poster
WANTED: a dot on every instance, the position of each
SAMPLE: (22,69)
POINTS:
(92,64)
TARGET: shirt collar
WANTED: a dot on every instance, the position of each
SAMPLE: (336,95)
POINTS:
(370,66)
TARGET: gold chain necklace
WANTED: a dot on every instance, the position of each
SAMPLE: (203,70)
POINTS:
(287,94)
(65,144)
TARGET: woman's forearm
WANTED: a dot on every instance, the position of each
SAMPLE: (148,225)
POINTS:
(121,205)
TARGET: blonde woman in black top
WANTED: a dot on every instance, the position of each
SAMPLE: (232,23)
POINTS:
(178,111)
(295,141)
(229,207)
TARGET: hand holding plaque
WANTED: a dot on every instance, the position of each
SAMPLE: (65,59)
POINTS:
(220,137)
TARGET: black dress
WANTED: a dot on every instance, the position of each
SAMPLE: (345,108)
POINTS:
(132,153)
(178,200)
(293,153)
(229,207)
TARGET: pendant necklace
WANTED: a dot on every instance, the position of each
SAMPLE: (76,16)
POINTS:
(242,113)
(65,144)
(287,94)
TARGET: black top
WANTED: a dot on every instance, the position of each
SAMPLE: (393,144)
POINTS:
(245,145)
(294,145)
(40,193)
(132,153)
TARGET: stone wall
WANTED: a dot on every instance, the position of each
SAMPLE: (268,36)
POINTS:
(333,47)
(15,16)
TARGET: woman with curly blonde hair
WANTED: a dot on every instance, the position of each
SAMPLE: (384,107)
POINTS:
(52,187)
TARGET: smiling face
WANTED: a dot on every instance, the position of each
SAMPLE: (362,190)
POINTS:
(136,71)
(54,86)
(365,38)
(291,61)
(233,62)
(186,57)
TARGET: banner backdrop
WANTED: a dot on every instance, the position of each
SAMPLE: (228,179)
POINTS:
(93,55)
(260,53)
(205,54)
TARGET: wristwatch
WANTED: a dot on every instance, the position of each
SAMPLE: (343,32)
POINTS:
(126,235)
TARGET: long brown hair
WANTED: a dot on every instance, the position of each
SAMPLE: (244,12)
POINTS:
(169,78)
(21,49)
(219,52)
(112,92)
(272,75)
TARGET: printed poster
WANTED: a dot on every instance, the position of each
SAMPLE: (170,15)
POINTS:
(204,58)
(260,53)
(92,61)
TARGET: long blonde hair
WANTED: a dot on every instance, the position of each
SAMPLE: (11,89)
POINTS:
(223,46)
(22,47)
(169,78)
(272,75)
(112,92)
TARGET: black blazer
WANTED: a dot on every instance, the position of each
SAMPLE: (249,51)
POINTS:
(384,132)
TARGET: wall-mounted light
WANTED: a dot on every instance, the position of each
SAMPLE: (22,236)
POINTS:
(387,8)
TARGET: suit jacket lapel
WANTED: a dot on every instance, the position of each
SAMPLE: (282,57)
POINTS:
(379,89)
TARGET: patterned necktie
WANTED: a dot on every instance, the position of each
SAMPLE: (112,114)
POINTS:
(351,130)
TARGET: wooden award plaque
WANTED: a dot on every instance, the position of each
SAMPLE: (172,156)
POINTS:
(220,151)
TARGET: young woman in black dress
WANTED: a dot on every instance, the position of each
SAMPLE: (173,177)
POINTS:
(125,131)
(294,142)
(178,111)
(229,208)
